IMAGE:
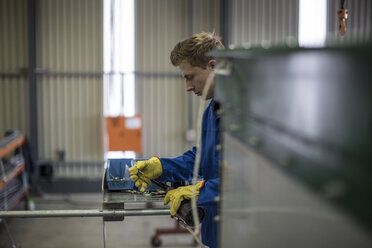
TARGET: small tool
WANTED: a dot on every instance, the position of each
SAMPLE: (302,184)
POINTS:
(184,213)
(157,183)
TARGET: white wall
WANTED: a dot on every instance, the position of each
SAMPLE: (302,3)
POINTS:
(254,21)
(163,101)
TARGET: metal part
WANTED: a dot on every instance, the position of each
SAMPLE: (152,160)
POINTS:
(307,114)
(115,206)
(259,200)
(104,233)
(302,152)
(9,233)
(184,213)
(32,78)
(83,213)
(156,182)
(130,196)
(342,16)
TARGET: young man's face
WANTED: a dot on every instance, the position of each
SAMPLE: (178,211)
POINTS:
(196,78)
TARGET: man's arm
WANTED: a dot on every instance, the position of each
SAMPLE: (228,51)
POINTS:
(180,168)
(208,192)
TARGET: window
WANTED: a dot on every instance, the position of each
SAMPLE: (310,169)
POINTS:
(312,23)
(119,49)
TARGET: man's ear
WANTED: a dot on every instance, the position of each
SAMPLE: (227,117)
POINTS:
(212,63)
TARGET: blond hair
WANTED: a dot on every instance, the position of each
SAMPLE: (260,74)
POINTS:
(194,49)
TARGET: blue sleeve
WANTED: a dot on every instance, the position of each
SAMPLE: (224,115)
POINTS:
(180,168)
(209,192)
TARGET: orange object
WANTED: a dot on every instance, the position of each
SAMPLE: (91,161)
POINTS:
(12,175)
(124,133)
(342,16)
(14,144)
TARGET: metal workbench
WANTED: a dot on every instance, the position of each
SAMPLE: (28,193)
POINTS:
(113,207)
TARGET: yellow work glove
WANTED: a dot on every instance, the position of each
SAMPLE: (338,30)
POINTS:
(150,169)
(176,196)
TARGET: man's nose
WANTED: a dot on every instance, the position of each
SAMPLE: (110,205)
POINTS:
(189,86)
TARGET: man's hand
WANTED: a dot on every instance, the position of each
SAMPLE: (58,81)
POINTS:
(176,196)
(150,169)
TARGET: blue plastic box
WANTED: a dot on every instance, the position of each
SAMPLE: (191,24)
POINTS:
(117,175)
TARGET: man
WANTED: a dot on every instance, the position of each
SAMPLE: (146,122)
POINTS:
(190,55)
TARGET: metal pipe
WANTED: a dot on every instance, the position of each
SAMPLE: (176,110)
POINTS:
(32,79)
(82,213)
(225,23)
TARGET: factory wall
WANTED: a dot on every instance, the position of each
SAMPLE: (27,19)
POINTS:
(69,61)
(70,84)
(69,43)
(14,113)
(69,39)
(167,109)
(263,22)
(204,16)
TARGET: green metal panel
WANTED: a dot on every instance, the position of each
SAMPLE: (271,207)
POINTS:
(309,111)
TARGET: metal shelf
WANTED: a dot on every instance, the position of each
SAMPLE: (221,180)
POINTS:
(7,178)
(13,183)
(6,147)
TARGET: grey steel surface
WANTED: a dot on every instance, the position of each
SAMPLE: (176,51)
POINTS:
(309,111)
(297,147)
(262,206)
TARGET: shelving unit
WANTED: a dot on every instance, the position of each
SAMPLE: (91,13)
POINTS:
(13,181)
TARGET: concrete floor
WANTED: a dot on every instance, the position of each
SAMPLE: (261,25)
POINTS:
(87,232)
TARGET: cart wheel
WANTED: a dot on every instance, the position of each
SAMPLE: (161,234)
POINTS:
(155,241)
